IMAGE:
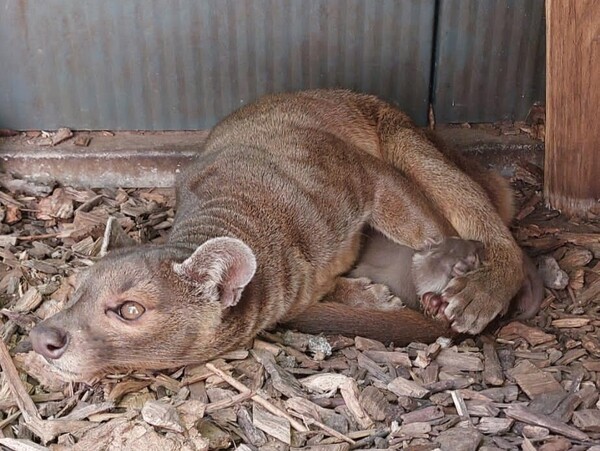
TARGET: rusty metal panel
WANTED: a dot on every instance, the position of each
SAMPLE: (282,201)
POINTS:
(490,59)
(183,64)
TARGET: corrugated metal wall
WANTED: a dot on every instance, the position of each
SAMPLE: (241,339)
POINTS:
(183,64)
(490,59)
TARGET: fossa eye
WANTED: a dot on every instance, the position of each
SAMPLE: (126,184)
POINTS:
(130,310)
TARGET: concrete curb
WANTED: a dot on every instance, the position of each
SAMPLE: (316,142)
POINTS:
(151,159)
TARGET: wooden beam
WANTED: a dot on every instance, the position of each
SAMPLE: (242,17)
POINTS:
(572,164)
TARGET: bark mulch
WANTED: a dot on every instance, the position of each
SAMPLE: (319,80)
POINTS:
(526,386)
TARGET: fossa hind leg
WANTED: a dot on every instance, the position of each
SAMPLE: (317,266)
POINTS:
(362,292)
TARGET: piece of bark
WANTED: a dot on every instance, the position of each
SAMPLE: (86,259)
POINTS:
(576,279)
(29,301)
(367,344)
(162,415)
(7,240)
(557,444)
(373,369)
(217,438)
(430,374)
(350,393)
(61,135)
(525,415)
(535,432)
(393,357)
(460,439)
(423,415)
(479,408)
(410,430)
(335,447)
(591,292)
(570,356)
(527,445)
(256,398)
(82,140)
(11,376)
(59,205)
(494,426)
(460,405)
(307,409)
(282,381)
(21,445)
(89,410)
(190,411)
(459,360)
(507,393)
(591,344)
(563,323)
(12,215)
(533,335)
(273,425)
(492,371)
(574,258)
(587,420)
(454,383)
(403,387)
(255,436)
(374,403)
(125,387)
(323,382)
(533,381)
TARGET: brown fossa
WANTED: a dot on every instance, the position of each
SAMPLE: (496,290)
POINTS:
(269,216)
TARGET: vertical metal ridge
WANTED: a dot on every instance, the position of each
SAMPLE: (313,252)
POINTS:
(490,59)
(184,64)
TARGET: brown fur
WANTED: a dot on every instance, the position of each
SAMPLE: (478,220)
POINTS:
(294,179)
(409,274)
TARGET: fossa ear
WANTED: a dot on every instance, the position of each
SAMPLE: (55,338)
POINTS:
(221,268)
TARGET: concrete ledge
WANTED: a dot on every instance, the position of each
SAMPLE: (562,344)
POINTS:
(151,159)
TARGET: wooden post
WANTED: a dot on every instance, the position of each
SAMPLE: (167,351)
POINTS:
(572,164)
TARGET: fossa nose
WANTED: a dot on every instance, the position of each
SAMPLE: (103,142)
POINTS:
(49,341)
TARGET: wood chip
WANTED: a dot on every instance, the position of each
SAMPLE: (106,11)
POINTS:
(533,381)
(403,387)
(61,135)
(587,420)
(392,357)
(494,426)
(423,415)
(547,368)
(350,393)
(374,403)
(492,371)
(324,382)
(460,439)
(162,415)
(460,361)
(520,413)
(570,322)
(21,445)
(533,335)
(271,424)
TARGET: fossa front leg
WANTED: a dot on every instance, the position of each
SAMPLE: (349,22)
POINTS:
(478,297)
